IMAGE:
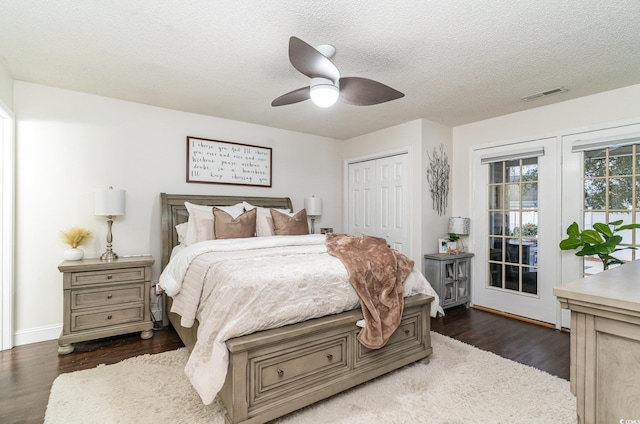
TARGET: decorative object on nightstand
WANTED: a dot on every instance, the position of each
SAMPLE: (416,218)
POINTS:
(104,299)
(74,237)
(450,277)
(459,226)
(109,203)
(313,205)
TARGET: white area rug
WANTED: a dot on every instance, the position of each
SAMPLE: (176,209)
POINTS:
(461,384)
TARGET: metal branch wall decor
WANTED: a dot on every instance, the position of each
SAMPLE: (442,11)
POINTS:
(438,179)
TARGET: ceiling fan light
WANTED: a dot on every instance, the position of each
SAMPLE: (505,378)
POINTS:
(324,95)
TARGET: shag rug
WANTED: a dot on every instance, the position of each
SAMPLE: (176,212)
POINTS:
(461,384)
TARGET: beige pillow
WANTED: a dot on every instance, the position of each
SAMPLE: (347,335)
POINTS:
(226,226)
(200,223)
(264,222)
(290,225)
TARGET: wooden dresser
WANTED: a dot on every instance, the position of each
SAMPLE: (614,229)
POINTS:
(605,343)
(103,299)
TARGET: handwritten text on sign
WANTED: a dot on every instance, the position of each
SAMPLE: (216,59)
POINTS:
(223,162)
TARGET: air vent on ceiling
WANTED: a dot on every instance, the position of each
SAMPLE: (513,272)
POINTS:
(544,93)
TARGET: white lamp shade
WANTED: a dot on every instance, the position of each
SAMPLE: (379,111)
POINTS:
(459,225)
(313,205)
(110,202)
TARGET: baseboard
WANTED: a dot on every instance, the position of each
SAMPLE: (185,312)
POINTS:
(514,316)
(37,334)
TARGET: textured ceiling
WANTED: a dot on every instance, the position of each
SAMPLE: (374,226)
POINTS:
(456,61)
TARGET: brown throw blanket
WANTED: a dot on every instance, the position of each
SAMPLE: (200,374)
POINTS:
(377,273)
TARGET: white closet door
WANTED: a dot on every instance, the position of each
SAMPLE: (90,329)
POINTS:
(378,204)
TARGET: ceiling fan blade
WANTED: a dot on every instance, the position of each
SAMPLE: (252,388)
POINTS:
(310,61)
(291,97)
(365,92)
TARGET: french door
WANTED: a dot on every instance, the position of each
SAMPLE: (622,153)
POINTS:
(516,194)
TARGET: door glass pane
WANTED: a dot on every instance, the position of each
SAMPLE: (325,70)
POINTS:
(496,223)
(495,197)
(512,196)
(530,196)
(621,161)
(512,169)
(595,194)
(620,193)
(496,173)
(595,163)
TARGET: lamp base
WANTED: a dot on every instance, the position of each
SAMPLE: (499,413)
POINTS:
(109,256)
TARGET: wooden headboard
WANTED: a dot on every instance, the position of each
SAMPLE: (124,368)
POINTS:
(174,212)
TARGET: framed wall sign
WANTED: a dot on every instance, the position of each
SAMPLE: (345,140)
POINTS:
(224,162)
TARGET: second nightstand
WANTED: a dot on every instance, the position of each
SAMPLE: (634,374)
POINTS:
(449,275)
(103,299)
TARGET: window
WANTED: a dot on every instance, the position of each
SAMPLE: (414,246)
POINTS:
(513,225)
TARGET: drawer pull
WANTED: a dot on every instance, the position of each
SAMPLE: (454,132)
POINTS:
(109,277)
(280,373)
(109,316)
(109,296)
(407,332)
(330,357)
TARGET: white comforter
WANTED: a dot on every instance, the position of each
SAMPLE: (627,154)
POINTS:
(255,284)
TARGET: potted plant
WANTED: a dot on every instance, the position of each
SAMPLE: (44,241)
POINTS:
(74,237)
(452,239)
(600,241)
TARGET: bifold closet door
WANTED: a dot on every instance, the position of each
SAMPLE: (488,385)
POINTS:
(378,201)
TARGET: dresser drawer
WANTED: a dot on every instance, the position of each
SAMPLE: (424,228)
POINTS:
(108,276)
(114,295)
(289,370)
(407,336)
(92,319)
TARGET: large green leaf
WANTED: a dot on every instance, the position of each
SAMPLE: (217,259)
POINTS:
(603,249)
(570,244)
(591,237)
(603,229)
(628,227)
(573,230)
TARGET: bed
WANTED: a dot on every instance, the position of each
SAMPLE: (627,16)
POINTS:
(275,371)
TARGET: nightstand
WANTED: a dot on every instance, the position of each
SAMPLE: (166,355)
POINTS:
(449,275)
(104,299)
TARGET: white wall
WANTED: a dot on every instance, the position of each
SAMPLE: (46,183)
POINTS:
(6,87)
(70,144)
(588,112)
(417,137)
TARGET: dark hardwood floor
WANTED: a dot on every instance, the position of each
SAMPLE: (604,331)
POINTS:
(27,372)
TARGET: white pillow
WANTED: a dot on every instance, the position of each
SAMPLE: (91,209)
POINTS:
(181,229)
(264,222)
(200,223)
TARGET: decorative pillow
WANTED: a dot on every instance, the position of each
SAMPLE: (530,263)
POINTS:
(285,224)
(264,222)
(200,224)
(226,226)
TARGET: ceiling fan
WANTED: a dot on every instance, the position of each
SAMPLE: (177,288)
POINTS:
(326,84)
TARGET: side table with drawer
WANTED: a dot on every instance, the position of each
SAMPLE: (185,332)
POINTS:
(104,299)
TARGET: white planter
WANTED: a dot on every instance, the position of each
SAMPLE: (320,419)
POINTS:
(73,254)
